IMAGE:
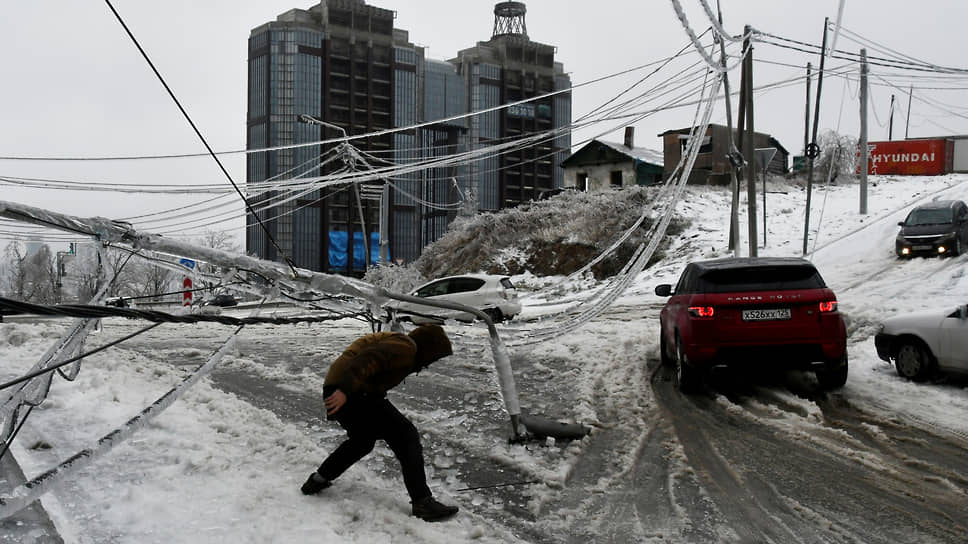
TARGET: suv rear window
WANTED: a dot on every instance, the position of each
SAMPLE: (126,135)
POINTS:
(760,278)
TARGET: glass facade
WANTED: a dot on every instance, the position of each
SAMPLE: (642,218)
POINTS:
(343,63)
(405,239)
(284,81)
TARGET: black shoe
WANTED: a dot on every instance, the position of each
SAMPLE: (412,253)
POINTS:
(315,484)
(428,509)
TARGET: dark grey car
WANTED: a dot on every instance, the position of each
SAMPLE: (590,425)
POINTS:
(936,228)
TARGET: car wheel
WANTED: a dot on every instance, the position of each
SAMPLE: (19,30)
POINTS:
(834,375)
(912,360)
(687,380)
(664,350)
(495,314)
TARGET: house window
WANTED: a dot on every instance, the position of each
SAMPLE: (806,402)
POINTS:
(581,181)
(616,178)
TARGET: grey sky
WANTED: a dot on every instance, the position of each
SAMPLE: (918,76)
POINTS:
(74,85)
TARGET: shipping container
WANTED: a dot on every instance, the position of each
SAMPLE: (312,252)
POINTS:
(911,157)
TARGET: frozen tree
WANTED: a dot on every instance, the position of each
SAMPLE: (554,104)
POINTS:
(838,156)
(152,280)
(218,239)
(15,271)
(43,276)
(31,278)
(399,279)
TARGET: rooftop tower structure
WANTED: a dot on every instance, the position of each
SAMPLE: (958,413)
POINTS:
(510,68)
(509,19)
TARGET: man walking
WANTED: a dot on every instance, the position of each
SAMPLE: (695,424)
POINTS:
(355,396)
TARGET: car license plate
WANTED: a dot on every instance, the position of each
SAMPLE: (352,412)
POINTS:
(922,248)
(774,314)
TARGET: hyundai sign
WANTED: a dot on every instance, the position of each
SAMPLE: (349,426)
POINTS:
(911,157)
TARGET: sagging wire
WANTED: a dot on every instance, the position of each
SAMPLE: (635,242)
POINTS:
(919,99)
(31,375)
(155,316)
(644,251)
(307,185)
(857,38)
(411,195)
(351,137)
(25,494)
(710,61)
(211,152)
(10,408)
(718,27)
(848,56)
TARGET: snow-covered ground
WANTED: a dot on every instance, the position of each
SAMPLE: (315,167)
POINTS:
(214,468)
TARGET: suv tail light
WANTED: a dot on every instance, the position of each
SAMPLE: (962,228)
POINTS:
(701,311)
(828,306)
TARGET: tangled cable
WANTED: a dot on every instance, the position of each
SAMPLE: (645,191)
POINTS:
(154,316)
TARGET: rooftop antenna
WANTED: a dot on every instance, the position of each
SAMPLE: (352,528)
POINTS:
(509,19)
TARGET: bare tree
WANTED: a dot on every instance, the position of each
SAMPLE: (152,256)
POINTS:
(219,239)
(31,278)
(84,275)
(42,275)
(154,280)
(838,155)
(15,276)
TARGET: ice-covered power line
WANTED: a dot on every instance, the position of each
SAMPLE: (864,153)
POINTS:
(382,132)
(899,61)
(922,100)
(718,28)
(871,44)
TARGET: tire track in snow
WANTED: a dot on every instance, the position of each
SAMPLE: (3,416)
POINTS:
(776,467)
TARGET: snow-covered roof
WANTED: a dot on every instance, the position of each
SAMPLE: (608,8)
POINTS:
(644,154)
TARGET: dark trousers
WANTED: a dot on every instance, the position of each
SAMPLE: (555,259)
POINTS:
(367,420)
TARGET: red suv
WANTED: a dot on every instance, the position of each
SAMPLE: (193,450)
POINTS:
(742,311)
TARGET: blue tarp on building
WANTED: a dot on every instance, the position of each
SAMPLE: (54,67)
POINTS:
(338,254)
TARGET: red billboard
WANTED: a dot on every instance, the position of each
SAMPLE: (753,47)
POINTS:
(911,157)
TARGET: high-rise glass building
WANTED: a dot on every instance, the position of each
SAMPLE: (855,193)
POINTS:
(344,65)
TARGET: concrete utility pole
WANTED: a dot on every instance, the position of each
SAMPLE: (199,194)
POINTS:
(806,116)
(890,125)
(749,144)
(865,153)
(907,123)
(813,150)
(734,182)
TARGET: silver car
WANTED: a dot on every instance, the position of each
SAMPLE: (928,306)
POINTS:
(923,342)
(492,294)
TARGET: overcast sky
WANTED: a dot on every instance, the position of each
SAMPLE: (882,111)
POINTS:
(74,85)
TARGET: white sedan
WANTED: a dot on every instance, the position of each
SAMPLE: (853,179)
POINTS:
(492,294)
(920,343)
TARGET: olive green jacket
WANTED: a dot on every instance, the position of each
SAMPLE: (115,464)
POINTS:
(373,364)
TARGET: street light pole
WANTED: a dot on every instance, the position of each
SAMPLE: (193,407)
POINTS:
(384,202)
